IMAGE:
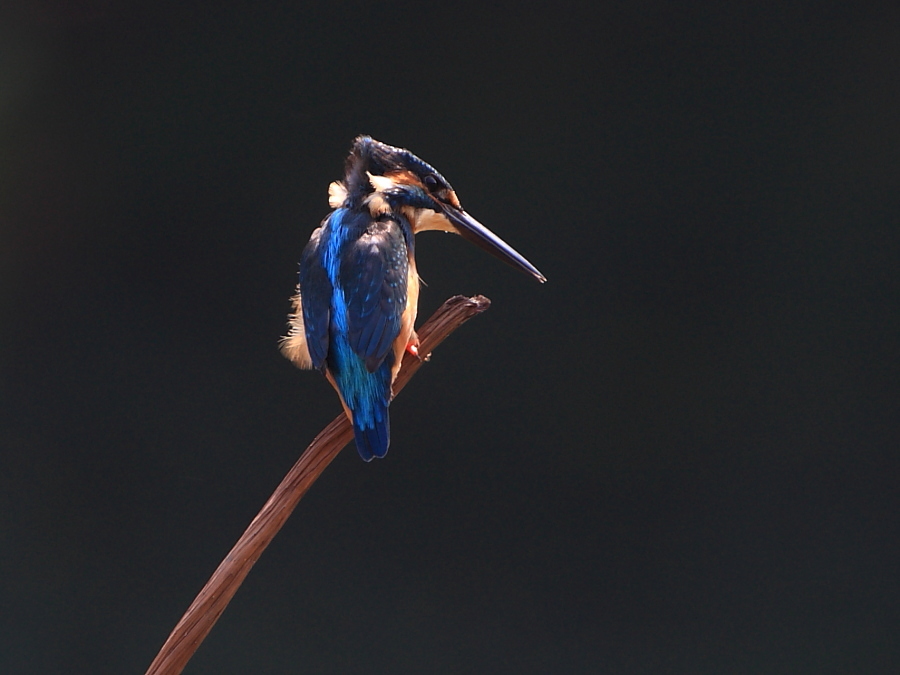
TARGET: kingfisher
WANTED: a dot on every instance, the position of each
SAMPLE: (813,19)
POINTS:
(357,298)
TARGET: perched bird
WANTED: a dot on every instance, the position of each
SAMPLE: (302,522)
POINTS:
(357,299)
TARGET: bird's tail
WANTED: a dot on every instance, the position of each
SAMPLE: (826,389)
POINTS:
(374,439)
(368,395)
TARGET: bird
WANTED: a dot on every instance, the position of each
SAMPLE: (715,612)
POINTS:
(355,308)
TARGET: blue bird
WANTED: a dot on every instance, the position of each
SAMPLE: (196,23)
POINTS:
(356,303)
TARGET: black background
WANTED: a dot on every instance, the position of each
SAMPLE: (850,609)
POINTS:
(678,455)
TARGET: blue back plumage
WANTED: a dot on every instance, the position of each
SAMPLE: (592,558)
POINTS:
(355,277)
(353,284)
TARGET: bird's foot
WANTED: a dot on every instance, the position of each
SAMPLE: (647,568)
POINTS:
(413,348)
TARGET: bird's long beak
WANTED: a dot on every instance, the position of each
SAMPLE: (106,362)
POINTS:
(482,237)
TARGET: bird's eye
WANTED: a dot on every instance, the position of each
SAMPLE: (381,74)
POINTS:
(431,182)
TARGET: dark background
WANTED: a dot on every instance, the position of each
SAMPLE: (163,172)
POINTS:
(679,455)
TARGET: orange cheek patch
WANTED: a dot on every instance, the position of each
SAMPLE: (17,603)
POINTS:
(404,178)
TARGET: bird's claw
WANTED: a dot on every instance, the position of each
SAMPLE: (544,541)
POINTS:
(413,348)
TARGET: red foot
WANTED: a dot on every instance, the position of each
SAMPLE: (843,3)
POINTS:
(413,347)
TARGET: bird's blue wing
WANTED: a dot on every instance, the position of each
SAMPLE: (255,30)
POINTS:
(315,297)
(374,276)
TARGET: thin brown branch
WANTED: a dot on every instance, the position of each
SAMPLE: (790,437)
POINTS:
(208,606)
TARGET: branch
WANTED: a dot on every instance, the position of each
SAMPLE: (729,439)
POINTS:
(212,600)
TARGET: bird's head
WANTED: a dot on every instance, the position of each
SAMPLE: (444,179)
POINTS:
(386,177)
